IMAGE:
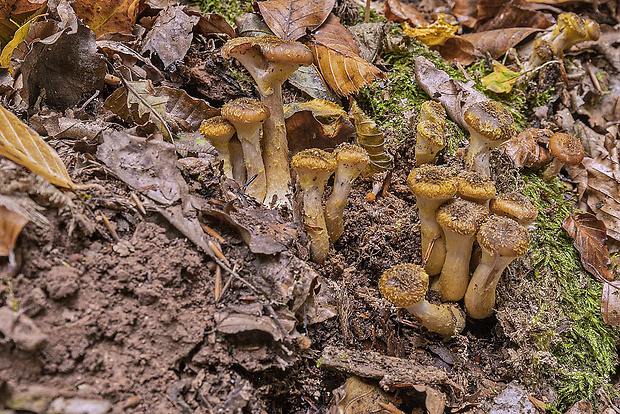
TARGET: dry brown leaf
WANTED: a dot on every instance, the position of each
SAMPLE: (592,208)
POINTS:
(396,11)
(459,49)
(513,14)
(466,12)
(11,224)
(355,396)
(108,16)
(610,305)
(291,19)
(337,57)
(524,149)
(21,144)
(27,6)
(210,23)
(589,234)
(498,42)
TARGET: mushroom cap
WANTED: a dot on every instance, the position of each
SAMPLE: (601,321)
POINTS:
(431,181)
(593,29)
(503,236)
(491,120)
(313,160)
(352,155)
(473,186)
(432,132)
(515,206)
(404,284)
(272,48)
(432,111)
(245,111)
(543,49)
(566,148)
(572,25)
(461,216)
(217,130)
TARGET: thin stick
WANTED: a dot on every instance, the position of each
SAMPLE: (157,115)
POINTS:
(428,252)
(109,226)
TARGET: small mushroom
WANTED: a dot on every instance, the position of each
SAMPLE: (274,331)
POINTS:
(489,124)
(515,206)
(570,30)
(271,61)
(430,139)
(247,115)
(351,160)
(405,286)
(502,240)
(473,186)
(460,220)
(432,186)
(218,131)
(314,167)
(566,149)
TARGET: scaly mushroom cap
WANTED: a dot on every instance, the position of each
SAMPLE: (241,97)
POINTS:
(433,111)
(245,110)
(593,29)
(571,25)
(271,47)
(350,155)
(431,181)
(515,206)
(503,236)
(566,148)
(432,132)
(472,186)
(491,120)
(313,161)
(217,130)
(404,284)
(461,216)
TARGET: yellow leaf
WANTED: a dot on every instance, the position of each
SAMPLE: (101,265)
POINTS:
(7,52)
(108,16)
(21,144)
(435,34)
(501,79)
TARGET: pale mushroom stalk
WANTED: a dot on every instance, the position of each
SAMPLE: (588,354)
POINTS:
(430,230)
(275,150)
(446,319)
(430,139)
(219,131)
(236,159)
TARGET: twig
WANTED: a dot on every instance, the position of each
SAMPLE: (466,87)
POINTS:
(218,252)
(109,226)
(593,77)
(217,288)
(139,204)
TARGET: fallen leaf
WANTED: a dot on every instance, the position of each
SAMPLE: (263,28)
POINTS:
(524,149)
(337,56)
(316,124)
(11,224)
(309,80)
(434,34)
(589,236)
(7,29)
(501,79)
(211,23)
(249,325)
(18,37)
(355,396)
(133,65)
(27,6)
(512,14)
(459,49)
(497,42)
(21,144)
(372,140)
(108,16)
(291,19)
(466,12)
(610,305)
(396,11)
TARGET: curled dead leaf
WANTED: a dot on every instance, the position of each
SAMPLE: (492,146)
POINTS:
(434,34)
(497,42)
(524,149)
(397,11)
(108,16)
(291,19)
(11,224)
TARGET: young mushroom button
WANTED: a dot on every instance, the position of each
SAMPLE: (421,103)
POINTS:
(218,131)
(566,149)
(405,286)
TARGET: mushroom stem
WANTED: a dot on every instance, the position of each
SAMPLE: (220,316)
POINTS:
(455,272)
(553,169)
(236,160)
(479,155)
(447,320)
(430,230)
(480,295)
(249,136)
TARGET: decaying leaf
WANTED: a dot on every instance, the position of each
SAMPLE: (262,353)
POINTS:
(355,396)
(290,19)
(397,11)
(372,140)
(589,234)
(459,49)
(507,14)
(11,224)
(316,124)
(337,56)
(309,80)
(134,66)
(21,144)
(108,16)
(7,29)
(210,23)
(610,303)
(249,325)
(501,79)
(497,42)
(434,34)
(524,149)
(466,12)
(18,37)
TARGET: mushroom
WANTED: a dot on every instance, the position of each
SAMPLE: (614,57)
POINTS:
(502,240)
(432,111)
(271,61)
(314,167)
(570,30)
(351,160)
(460,220)
(515,206)
(489,124)
(430,139)
(218,131)
(566,149)
(247,115)
(236,159)
(432,186)
(473,186)
(405,286)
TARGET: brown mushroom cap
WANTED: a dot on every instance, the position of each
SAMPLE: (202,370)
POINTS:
(491,120)
(515,206)
(431,181)
(432,111)
(473,186)
(543,48)
(272,48)
(404,284)
(217,130)
(461,216)
(351,155)
(245,110)
(432,132)
(571,24)
(566,148)
(313,160)
(503,236)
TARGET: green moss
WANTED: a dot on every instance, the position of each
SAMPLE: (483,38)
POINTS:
(228,9)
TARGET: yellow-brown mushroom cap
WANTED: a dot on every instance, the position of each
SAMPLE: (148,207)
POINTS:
(571,23)
(491,120)
(461,216)
(217,130)
(313,160)
(246,111)
(515,206)
(404,284)
(351,154)
(593,29)
(566,148)
(432,132)
(272,48)
(433,111)
(431,181)
(473,186)
(503,236)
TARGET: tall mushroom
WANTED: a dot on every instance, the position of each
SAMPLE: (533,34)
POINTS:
(218,131)
(430,139)
(314,167)
(271,61)
(405,286)
(566,149)
(502,240)
(247,115)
